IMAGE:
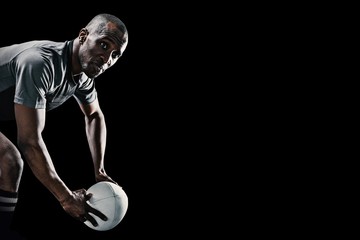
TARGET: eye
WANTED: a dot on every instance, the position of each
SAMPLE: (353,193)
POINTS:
(115,54)
(104,45)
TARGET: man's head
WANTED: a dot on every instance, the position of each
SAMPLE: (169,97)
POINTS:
(101,44)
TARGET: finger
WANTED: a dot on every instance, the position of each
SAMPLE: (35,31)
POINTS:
(82,219)
(92,220)
(109,179)
(80,191)
(114,182)
(88,196)
(97,213)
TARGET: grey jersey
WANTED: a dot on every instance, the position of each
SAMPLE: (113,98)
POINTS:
(39,72)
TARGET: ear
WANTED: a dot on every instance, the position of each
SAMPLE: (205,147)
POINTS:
(82,35)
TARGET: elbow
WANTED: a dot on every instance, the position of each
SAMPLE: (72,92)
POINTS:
(98,115)
(27,146)
(23,144)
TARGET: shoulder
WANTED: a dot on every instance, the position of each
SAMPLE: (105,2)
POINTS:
(40,49)
(39,53)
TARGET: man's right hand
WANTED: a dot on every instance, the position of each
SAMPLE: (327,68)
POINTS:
(77,207)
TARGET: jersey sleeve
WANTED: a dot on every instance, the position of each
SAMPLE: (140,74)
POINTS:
(86,92)
(33,78)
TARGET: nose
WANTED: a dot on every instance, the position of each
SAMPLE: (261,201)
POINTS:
(110,59)
(108,62)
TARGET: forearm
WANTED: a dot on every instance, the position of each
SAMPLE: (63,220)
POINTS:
(96,133)
(40,163)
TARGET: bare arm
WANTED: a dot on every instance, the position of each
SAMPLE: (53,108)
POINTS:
(30,124)
(96,133)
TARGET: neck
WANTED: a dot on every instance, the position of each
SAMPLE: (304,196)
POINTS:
(75,63)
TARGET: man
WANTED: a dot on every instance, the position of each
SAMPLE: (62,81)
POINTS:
(38,76)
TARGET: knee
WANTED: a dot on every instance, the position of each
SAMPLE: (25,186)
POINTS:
(11,168)
(11,164)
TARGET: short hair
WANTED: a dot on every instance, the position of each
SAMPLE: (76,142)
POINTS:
(98,23)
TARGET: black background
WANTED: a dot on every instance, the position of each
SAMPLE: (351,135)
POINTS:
(143,99)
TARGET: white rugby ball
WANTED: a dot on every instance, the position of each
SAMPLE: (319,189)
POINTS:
(111,200)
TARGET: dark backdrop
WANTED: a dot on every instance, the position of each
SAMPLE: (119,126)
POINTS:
(138,135)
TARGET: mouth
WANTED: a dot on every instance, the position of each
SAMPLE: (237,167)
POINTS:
(98,69)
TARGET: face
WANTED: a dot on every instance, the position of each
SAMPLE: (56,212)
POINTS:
(101,51)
